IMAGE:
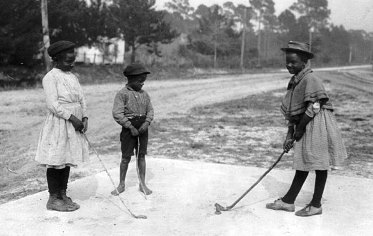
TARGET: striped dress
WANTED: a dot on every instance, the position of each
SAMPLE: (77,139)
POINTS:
(321,147)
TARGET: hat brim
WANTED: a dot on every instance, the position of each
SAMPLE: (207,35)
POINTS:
(309,54)
(139,73)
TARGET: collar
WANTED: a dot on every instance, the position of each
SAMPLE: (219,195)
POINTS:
(131,89)
(297,78)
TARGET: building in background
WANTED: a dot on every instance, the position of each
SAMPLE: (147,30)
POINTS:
(109,51)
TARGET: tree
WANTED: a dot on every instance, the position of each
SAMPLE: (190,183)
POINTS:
(335,45)
(141,24)
(213,31)
(98,22)
(314,13)
(287,21)
(66,21)
(265,15)
(241,15)
(20,32)
(181,16)
(182,7)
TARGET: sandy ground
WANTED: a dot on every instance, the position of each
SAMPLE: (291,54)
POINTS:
(183,204)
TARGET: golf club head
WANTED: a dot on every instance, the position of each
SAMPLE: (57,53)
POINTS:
(219,208)
(141,217)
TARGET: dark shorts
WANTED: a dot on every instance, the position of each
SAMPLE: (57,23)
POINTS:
(130,143)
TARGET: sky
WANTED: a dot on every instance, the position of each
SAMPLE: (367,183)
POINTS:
(352,14)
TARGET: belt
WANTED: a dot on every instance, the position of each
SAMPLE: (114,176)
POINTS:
(135,116)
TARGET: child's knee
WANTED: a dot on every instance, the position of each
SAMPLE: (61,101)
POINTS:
(141,156)
(126,159)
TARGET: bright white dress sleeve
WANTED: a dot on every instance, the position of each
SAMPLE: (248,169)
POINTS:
(50,89)
(313,109)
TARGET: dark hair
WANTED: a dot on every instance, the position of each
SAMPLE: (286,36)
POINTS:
(303,57)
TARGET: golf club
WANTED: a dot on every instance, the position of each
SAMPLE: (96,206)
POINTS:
(137,166)
(111,179)
(219,208)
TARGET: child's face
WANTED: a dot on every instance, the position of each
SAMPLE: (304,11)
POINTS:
(294,64)
(66,60)
(137,82)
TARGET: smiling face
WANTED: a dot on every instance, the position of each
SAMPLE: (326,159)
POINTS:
(294,63)
(136,82)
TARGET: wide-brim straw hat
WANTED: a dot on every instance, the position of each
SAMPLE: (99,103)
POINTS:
(300,47)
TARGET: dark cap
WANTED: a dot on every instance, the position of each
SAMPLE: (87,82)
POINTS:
(294,46)
(135,69)
(59,47)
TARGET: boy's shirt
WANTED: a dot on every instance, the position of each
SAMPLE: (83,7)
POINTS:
(129,103)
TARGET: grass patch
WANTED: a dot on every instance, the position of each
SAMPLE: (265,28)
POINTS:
(250,131)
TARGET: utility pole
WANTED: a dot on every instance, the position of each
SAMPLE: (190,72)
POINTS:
(259,38)
(46,42)
(243,40)
(350,55)
(215,44)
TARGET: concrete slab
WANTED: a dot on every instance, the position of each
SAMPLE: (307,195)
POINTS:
(183,204)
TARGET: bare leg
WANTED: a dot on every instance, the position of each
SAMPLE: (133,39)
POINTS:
(142,169)
(122,176)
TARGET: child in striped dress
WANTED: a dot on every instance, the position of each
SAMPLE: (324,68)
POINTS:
(133,110)
(311,123)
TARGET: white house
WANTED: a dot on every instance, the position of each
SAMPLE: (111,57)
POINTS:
(110,51)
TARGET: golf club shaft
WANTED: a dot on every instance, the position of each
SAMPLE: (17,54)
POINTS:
(137,167)
(107,172)
(261,177)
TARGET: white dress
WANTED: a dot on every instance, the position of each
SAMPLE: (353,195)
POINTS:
(59,144)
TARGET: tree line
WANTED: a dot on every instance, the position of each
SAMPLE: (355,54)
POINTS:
(226,29)
(226,35)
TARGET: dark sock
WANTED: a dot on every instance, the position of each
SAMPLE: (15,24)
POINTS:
(53,181)
(298,181)
(65,173)
(321,176)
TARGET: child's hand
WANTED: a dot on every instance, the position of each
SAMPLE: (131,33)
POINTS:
(144,127)
(85,124)
(288,144)
(298,134)
(78,124)
(134,131)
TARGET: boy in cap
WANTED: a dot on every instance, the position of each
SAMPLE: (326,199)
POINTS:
(133,110)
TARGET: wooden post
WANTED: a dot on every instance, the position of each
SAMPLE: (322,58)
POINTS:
(84,57)
(45,28)
(259,37)
(215,44)
(243,40)
(94,58)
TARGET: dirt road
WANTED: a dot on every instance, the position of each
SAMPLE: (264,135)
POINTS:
(22,114)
